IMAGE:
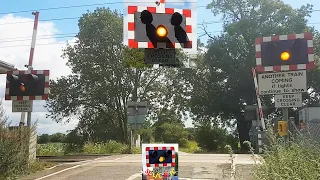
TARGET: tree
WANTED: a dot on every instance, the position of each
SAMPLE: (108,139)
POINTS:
(213,138)
(44,138)
(57,137)
(172,133)
(231,55)
(101,84)
(99,88)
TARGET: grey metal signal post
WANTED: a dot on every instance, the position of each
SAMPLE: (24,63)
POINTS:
(136,112)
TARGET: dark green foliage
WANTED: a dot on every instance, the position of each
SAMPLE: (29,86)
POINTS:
(213,138)
(57,137)
(13,149)
(43,139)
(228,84)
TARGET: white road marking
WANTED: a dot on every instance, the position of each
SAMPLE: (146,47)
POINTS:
(233,168)
(121,158)
(134,176)
(73,167)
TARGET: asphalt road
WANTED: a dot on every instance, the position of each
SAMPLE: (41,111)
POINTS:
(128,167)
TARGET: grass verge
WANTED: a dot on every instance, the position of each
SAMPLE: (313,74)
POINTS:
(39,166)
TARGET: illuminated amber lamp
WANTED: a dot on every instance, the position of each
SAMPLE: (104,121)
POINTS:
(285,56)
(22,88)
(161,159)
(162,31)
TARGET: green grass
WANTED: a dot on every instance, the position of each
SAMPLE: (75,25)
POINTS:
(111,147)
(39,166)
(51,149)
(298,159)
(294,160)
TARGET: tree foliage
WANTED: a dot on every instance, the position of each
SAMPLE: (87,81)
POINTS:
(231,55)
(102,83)
(43,139)
(213,95)
(214,139)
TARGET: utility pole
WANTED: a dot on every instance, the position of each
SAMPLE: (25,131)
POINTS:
(285,115)
(133,131)
(135,99)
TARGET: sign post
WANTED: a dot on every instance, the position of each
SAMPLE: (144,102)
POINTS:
(160,56)
(283,61)
(283,82)
(22,106)
(136,112)
(288,100)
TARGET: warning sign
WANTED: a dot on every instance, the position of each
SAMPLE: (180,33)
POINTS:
(288,100)
(22,106)
(283,82)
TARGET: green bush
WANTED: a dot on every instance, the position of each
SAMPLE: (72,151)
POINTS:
(297,159)
(51,149)
(191,147)
(213,138)
(13,152)
(111,147)
(136,150)
(172,133)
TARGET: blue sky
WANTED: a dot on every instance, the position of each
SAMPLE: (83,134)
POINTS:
(69,26)
(48,56)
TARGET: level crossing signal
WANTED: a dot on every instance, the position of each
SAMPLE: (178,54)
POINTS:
(285,52)
(27,85)
(160,27)
(160,157)
(153,27)
(289,52)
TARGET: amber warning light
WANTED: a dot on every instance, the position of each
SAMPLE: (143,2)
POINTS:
(22,88)
(162,31)
(285,56)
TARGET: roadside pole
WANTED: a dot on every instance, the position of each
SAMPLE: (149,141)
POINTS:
(285,117)
(134,99)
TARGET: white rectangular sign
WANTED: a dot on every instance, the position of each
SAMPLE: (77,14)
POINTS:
(22,106)
(283,82)
(160,56)
(288,100)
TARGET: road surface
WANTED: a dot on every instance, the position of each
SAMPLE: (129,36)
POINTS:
(128,167)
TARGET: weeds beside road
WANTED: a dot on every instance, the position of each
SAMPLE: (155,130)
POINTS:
(296,159)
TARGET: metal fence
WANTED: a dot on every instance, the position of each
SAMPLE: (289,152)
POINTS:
(313,130)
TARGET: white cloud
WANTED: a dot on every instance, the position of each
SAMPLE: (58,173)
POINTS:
(46,57)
